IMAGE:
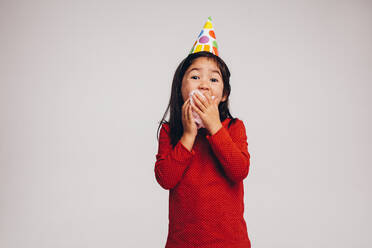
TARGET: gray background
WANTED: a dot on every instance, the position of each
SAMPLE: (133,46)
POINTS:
(83,85)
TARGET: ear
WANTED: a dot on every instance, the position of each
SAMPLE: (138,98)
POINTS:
(224,98)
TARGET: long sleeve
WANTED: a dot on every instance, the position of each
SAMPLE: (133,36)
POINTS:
(231,149)
(170,162)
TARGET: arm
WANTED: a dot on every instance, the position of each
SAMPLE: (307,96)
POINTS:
(231,149)
(171,162)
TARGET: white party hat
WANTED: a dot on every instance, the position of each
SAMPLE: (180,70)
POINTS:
(206,40)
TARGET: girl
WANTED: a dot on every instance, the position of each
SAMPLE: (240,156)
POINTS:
(204,168)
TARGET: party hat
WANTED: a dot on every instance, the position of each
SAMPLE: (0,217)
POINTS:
(206,40)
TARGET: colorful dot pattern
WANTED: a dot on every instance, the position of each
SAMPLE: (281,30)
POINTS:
(206,40)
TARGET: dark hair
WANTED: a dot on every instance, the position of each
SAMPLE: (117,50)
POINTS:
(176,101)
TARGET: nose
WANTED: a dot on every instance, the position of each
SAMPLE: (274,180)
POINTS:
(204,85)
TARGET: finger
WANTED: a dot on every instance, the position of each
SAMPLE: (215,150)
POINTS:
(184,110)
(198,103)
(189,113)
(197,110)
(209,97)
(184,105)
(203,100)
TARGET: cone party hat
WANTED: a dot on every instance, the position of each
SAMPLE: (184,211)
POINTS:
(206,40)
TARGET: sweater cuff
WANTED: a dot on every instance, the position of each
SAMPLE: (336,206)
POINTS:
(182,153)
(220,134)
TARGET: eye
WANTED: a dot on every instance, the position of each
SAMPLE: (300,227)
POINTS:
(194,77)
(214,80)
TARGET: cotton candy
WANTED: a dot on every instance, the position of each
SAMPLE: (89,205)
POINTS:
(198,121)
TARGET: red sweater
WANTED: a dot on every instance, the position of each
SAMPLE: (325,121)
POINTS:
(206,193)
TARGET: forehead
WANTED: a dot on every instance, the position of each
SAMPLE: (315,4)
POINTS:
(204,63)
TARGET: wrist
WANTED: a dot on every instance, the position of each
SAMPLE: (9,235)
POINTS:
(187,140)
(215,129)
(188,136)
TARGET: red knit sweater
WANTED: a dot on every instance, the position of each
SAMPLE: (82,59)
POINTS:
(206,203)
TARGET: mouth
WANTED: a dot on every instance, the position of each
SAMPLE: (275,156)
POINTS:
(195,91)
(202,93)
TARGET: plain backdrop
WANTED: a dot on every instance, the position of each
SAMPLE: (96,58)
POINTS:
(84,84)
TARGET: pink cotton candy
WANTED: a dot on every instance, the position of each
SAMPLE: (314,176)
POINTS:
(198,121)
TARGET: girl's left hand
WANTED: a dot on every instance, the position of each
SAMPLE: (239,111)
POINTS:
(207,109)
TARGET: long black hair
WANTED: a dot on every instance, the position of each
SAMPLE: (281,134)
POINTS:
(176,100)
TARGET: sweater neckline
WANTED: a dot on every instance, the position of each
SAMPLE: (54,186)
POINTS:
(203,131)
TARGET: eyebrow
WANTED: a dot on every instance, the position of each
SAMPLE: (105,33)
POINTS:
(198,69)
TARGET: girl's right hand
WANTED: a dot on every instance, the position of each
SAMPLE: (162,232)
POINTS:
(188,122)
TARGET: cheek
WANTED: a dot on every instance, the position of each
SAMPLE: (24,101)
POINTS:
(186,89)
(218,92)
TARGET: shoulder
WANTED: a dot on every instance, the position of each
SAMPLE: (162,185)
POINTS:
(165,127)
(235,123)
(237,129)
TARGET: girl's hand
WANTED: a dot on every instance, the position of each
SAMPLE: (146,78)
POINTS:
(188,122)
(207,109)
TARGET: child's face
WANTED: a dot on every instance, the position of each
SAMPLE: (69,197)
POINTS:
(203,74)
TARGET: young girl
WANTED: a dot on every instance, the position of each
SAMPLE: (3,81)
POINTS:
(203,168)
